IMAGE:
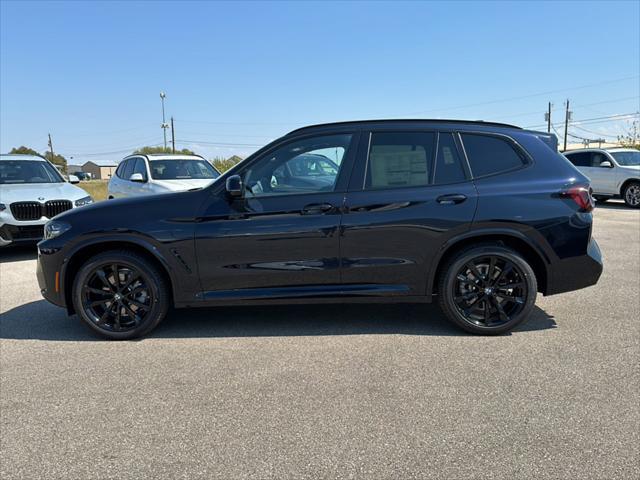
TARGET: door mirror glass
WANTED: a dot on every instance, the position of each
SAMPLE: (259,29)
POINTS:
(606,164)
(234,186)
(73,179)
(137,177)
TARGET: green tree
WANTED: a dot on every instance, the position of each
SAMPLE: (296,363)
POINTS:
(25,151)
(148,150)
(56,159)
(223,164)
(631,139)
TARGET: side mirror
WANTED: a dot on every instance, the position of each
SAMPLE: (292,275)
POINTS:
(73,179)
(234,186)
(137,177)
(606,164)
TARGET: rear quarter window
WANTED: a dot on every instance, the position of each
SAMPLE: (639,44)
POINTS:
(489,154)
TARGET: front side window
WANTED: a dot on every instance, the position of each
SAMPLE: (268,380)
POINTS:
(488,154)
(399,159)
(306,166)
(182,170)
(127,168)
(579,159)
(28,171)
(140,168)
(597,158)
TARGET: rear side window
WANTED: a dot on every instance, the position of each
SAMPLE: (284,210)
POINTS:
(399,159)
(448,168)
(488,155)
(579,159)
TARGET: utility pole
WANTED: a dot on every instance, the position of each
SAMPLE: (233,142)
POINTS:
(548,118)
(51,148)
(164,124)
(567,117)
(173,137)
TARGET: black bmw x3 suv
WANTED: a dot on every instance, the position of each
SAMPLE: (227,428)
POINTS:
(480,216)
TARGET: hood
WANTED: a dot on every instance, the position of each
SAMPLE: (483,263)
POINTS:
(182,185)
(39,192)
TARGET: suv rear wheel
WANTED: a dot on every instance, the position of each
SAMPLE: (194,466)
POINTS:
(631,194)
(120,295)
(487,289)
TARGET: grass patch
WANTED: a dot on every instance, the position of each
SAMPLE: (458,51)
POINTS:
(96,188)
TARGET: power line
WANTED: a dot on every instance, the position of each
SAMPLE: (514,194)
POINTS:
(620,116)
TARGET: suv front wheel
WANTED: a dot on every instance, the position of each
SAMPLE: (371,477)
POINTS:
(487,289)
(631,194)
(120,295)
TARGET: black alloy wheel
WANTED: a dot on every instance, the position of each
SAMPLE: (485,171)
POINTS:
(120,295)
(488,290)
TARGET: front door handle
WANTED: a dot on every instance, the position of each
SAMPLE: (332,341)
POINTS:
(317,208)
(451,199)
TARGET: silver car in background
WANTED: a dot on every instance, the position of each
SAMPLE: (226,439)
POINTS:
(614,172)
(160,173)
(32,191)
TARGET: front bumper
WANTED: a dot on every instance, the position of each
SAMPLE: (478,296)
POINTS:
(15,234)
(578,272)
(49,275)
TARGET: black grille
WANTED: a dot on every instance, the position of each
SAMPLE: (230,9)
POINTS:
(26,211)
(24,233)
(54,207)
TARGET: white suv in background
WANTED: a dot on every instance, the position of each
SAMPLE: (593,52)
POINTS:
(160,173)
(31,192)
(614,172)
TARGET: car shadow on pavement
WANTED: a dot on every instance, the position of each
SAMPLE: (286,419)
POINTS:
(18,253)
(613,205)
(41,321)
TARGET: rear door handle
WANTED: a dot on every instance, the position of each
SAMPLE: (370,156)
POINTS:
(317,208)
(451,199)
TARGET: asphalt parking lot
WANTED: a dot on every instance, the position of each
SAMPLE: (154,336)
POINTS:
(330,391)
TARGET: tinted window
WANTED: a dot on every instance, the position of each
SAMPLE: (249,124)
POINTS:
(185,169)
(488,154)
(401,159)
(579,159)
(448,167)
(139,167)
(306,166)
(127,169)
(597,158)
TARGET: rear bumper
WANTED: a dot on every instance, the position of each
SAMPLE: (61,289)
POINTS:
(578,272)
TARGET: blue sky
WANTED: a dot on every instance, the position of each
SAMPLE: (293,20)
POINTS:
(238,75)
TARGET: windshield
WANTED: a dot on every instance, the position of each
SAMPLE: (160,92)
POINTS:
(182,170)
(627,159)
(28,171)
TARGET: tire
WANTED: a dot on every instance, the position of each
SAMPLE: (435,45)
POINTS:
(631,194)
(124,309)
(508,294)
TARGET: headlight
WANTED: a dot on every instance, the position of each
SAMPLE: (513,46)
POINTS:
(3,207)
(54,229)
(84,201)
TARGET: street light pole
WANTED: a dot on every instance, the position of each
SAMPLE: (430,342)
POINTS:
(164,124)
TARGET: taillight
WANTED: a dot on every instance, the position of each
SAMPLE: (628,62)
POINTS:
(582,195)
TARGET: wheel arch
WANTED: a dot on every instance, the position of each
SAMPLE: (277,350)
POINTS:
(515,240)
(85,251)
(627,182)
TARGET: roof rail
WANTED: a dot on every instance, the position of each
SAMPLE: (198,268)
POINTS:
(407,120)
